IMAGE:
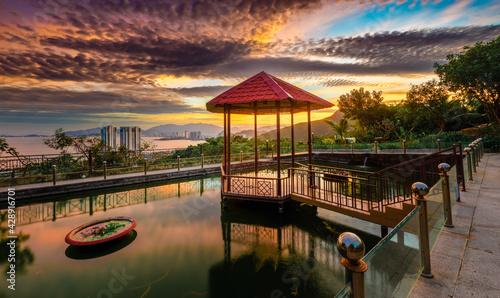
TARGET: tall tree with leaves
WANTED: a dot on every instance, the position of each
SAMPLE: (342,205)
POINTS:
(361,105)
(430,97)
(341,129)
(474,73)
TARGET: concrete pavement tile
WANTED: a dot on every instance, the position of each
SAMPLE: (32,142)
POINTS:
(485,240)
(445,270)
(469,288)
(451,245)
(463,209)
(421,290)
(461,225)
(481,266)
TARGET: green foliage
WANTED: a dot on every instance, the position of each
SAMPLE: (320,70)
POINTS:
(492,143)
(363,106)
(4,147)
(341,129)
(431,100)
(60,141)
(474,74)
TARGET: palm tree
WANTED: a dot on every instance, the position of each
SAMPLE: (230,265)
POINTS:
(341,129)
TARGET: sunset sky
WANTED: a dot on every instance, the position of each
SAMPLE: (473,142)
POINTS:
(80,64)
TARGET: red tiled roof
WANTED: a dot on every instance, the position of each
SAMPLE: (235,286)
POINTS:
(261,92)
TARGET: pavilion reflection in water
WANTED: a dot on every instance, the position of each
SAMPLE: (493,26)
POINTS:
(280,256)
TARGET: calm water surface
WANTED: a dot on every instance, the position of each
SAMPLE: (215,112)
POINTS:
(185,245)
(35,145)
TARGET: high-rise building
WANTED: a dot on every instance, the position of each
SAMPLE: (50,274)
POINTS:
(195,135)
(108,136)
(130,137)
(185,134)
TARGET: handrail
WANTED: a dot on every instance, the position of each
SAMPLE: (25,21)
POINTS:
(412,161)
(320,172)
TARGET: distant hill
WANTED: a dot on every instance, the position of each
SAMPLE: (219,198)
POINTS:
(260,130)
(209,130)
(84,132)
(318,127)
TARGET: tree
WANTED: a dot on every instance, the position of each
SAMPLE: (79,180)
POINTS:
(81,144)
(4,147)
(474,73)
(361,105)
(341,129)
(431,98)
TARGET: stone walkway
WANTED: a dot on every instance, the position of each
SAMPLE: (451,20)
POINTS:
(466,258)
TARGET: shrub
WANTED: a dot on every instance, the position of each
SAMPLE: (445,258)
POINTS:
(492,143)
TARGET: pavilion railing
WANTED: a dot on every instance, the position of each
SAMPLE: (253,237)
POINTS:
(260,187)
(366,191)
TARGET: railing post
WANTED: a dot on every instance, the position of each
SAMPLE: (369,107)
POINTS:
(54,174)
(90,162)
(469,163)
(473,156)
(376,149)
(462,170)
(352,148)
(202,160)
(444,168)
(267,148)
(481,146)
(421,190)
(404,146)
(332,147)
(145,166)
(104,168)
(241,156)
(476,143)
(439,144)
(272,152)
(178,162)
(352,250)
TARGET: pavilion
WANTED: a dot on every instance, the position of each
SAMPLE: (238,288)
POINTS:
(262,94)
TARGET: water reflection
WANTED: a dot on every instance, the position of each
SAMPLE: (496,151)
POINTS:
(110,199)
(23,256)
(187,245)
(99,250)
(267,255)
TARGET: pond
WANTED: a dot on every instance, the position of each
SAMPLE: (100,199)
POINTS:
(185,245)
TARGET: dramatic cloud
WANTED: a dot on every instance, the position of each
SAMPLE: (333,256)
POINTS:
(40,100)
(81,58)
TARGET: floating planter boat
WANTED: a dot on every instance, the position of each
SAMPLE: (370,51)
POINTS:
(101,231)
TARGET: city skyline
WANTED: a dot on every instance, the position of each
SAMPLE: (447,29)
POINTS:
(79,66)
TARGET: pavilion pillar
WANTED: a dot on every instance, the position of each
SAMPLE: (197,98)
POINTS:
(309,132)
(292,134)
(278,146)
(255,139)
(228,141)
(224,150)
(309,142)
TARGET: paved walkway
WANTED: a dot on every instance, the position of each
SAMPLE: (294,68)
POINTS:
(466,259)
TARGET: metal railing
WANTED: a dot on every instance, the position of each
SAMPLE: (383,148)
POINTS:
(265,188)
(366,191)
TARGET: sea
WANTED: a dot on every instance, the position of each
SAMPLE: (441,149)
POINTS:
(35,145)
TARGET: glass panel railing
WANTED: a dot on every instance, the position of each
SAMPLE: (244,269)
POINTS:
(345,292)
(394,264)
(466,170)
(454,187)
(435,212)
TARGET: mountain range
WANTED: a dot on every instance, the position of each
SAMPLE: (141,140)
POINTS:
(319,127)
